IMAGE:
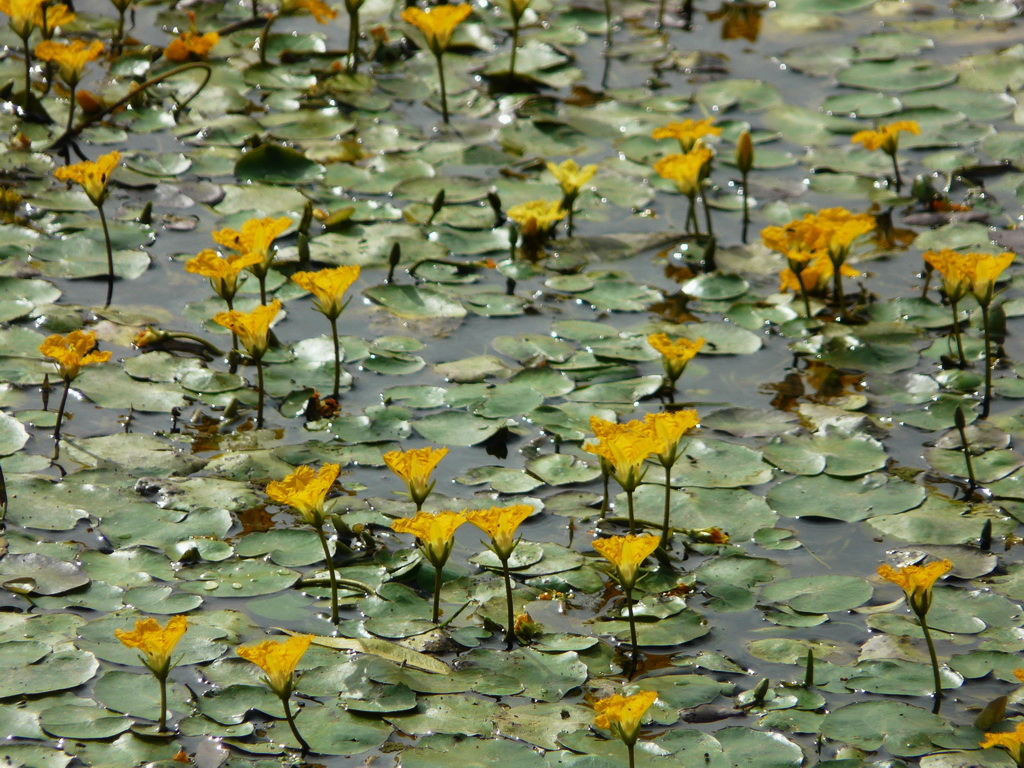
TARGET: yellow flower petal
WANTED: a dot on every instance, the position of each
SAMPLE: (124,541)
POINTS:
(916,581)
(252,328)
(500,524)
(72,352)
(305,491)
(626,553)
(438,23)
(414,467)
(155,642)
(93,176)
(435,532)
(278,659)
(328,286)
(622,714)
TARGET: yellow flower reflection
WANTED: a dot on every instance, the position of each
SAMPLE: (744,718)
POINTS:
(305,491)
(626,553)
(916,581)
(191,46)
(278,659)
(500,524)
(536,216)
(329,287)
(622,714)
(438,23)
(252,328)
(414,467)
(316,8)
(155,642)
(93,176)
(72,352)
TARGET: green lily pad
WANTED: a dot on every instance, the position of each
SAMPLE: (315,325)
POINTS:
(847,500)
(899,728)
(820,594)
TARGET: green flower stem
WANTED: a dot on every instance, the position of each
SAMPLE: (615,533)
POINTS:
(510,629)
(259,392)
(605,477)
(96,117)
(607,27)
(118,41)
(291,724)
(896,172)
(986,404)
(746,206)
(635,651)
(961,425)
(692,228)
(162,724)
(659,24)
(71,110)
(444,89)
(957,334)
(265,36)
(60,410)
(110,256)
(668,500)
(707,210)
(935,663)
(437,594)
(337,357)
(632,522)
(838,297)
(806,296)
(329,561)
(630,749)
(28,70)
(353,38)
(515,49)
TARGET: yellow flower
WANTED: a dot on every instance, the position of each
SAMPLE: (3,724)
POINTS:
(571,177)
(1013,743)
(317,9)
(156,643)
(252,328)
(886,137)
(987,269)
(221,270)
(957,270)
(190,46)
(687,132)
(436,533)
(414,467)
(92,176)
(687,171)
(536,216)
(500,523)
(739,19)
(675,353)
(625,451)
(626,553)
(305,491)
(1019,674)
(329,286)
(667,428)
(916,581)
(622,714)
(26,15)
(278,659)
(256,236)
(71,57)
(438,23)
(72,352)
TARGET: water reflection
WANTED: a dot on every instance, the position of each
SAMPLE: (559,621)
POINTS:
(739,20)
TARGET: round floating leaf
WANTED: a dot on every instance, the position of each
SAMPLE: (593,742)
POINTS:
(444,752)
(895,677)
(750,422)
(847,500)
(718,464)
(415,302)
(739,570)
(563,469)
(55,672)
(246,578)
(896,75)
(827,593)
(757,749)
(43,575)
(456,428)
(715,287)
(13,435)
(82,722)
(899,728)
(331,730)
(543,676)
(110,387)
(277,164)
